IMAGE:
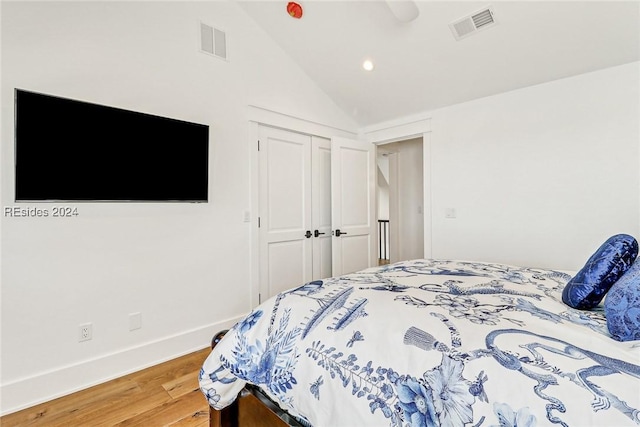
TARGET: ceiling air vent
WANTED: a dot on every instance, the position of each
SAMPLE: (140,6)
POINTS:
(471,24)
(213,41)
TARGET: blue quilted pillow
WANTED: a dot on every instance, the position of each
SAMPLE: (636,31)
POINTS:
(587,288)
(622,306)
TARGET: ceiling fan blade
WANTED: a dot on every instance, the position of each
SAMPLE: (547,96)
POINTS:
(403,10)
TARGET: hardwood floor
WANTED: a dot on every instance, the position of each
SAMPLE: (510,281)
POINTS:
(163,395)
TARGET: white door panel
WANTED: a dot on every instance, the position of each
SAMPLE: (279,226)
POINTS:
(321,207)
(286,254)
(356,252)
(353,205)
(353,188)
(286,166)
(315,185)
(325,261)
(287,265)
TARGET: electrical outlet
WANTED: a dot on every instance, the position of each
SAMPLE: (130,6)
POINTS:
(85,332)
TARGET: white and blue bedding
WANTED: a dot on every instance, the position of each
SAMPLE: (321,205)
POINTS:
(431,343)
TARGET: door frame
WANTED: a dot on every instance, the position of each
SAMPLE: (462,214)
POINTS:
(259,116)
(401,130)
(393,228)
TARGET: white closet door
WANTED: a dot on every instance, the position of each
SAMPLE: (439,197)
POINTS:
(353,205)
(286,253)
(321,207)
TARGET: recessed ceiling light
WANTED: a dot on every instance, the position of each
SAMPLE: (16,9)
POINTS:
(368,65)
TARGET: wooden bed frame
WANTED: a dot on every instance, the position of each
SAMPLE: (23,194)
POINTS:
(252,408)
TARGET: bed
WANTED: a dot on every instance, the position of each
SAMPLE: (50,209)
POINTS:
(424,343)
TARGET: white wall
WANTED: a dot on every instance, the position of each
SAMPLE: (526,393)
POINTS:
(410,199)
(185,267)
(539,176)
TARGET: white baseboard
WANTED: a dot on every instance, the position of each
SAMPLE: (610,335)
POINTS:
(45,386)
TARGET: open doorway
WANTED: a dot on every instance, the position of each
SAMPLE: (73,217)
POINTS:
(400,201)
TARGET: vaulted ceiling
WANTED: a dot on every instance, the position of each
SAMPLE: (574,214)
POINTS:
(420,66)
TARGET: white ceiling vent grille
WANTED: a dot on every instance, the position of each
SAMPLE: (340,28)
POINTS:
(213,41)
(471,24)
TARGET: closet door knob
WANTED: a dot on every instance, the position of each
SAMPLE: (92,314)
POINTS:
(316,233)
(307,234)
(339,233)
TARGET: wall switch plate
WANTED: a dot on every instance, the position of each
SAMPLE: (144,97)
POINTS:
(135,321)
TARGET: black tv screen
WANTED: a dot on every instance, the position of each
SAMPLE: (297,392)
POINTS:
(68,150)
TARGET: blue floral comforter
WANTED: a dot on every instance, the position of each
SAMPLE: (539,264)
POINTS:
(431,343)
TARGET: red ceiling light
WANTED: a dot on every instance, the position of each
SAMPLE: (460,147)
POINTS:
(294,10)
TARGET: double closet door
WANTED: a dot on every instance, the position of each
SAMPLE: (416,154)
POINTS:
(316,208)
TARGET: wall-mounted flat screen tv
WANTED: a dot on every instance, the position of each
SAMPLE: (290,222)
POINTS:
(68,150)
